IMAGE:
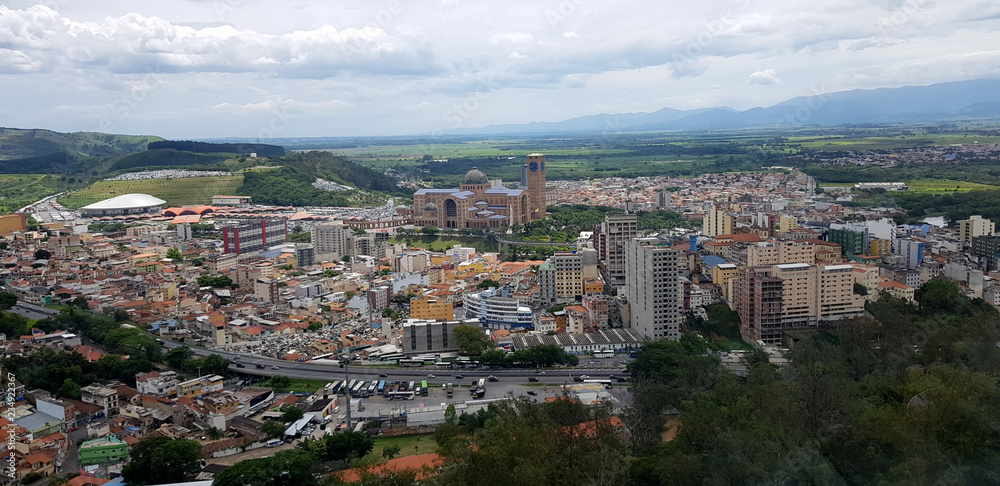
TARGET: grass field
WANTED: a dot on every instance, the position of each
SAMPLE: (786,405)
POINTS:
(19,190)
(176,192)
(409,445)
(930,186)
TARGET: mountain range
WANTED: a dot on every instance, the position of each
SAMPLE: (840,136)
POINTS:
(936,103)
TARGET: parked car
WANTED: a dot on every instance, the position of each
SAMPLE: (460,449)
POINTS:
(585,377)
(532,393)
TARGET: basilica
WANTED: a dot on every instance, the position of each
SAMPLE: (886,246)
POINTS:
(477,203)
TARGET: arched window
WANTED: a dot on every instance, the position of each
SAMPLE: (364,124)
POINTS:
(450,209)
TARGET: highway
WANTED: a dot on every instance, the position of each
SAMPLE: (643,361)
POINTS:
(332,372)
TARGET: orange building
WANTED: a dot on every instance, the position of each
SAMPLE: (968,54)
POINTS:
(432,309)
(10,223)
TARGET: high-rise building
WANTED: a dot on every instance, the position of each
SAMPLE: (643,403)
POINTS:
(430,336)
(785,251)
(772,298)
(265,290)
(305,255)
(853,239)
(975,226)
(716,222)
(651,288)
(254,235)
(912,251)
(536,186)
(787,223)
(330,240)
(610,238)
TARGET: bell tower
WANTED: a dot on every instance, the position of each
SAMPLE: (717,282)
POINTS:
(536,186)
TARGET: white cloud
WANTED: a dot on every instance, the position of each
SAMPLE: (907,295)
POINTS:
(570,35)
(516,55)
(420,106)
(277,105)
(767,76)
(511,38)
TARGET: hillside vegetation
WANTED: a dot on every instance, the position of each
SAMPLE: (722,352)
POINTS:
(18,143)
(176,192)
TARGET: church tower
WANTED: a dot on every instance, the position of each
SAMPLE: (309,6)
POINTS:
(536,186)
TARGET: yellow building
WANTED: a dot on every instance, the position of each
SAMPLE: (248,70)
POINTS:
(880,247)
(721,275)
(435,309)
(593,286)
(716,222)
(897,290)
(145,262)
(10,223)
(787,223)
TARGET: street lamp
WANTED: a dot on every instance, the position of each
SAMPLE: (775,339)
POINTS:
(347,379)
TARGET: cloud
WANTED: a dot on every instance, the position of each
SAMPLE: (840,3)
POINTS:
(419,106)
(511,38)
(767,76)
(134,43)
(570,35)
(516,55)
(277,105)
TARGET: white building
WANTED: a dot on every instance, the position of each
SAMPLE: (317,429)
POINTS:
(651,288)
(330,241)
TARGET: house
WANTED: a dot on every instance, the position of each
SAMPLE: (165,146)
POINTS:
(41,462)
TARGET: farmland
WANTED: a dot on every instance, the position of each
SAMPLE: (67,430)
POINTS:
(931,186)
(177,192)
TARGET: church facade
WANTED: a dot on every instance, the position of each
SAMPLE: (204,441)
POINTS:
(476,203)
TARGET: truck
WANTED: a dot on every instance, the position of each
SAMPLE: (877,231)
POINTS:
(449,391)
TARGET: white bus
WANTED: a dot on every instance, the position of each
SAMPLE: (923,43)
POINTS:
(604,354)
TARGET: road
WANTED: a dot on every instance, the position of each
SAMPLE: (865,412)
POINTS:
(331,372)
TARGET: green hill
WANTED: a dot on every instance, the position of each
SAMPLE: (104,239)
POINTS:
(16,143)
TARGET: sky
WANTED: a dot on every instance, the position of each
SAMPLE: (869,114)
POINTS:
(262,69)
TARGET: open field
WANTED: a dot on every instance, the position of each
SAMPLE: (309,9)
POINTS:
(408,445)
(303,385)
(930,186)
(177,192)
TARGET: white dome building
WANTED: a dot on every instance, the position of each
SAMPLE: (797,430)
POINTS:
(125,204)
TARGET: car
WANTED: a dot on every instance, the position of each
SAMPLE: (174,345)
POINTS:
(612,377)
(431,376)
(532,379)
(578,379)
(607,387)
(241,365)
(621,379)
(72,429)
(275,367)
(532,392)
(203,437)
(493,378)
(236,358)
(260,366)
(585,377)
(383,375)
(459,377)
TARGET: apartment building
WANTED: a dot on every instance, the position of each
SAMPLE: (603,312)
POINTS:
(776,252)
(254,235)
(975,226)
(330,241)
(651,288)
(716,222)
(772,298)
(610,238)
(430,336)
(431,309)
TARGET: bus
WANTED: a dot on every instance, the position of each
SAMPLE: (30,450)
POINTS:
(401,395)
(604,354)
(381,387)
(605,382)
(423,388)
(418,391)
(348,386)
(356,391)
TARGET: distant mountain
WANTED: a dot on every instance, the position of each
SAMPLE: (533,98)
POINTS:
(943,102)
(16,143)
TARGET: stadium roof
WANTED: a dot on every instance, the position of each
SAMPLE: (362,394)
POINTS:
(126,201)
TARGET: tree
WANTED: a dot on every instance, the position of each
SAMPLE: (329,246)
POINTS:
(315,326)
(69,389)
(450,414)
(273,428)
(297,229)
(390,452)
(175,357)
(291,413)
(158,460)
(281,382)
(472,340)
(175,254)
(214,433)
(41,254)
(7,300)
(429,230)
(485,284)
(80,303)
(290,467)
(343,446)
